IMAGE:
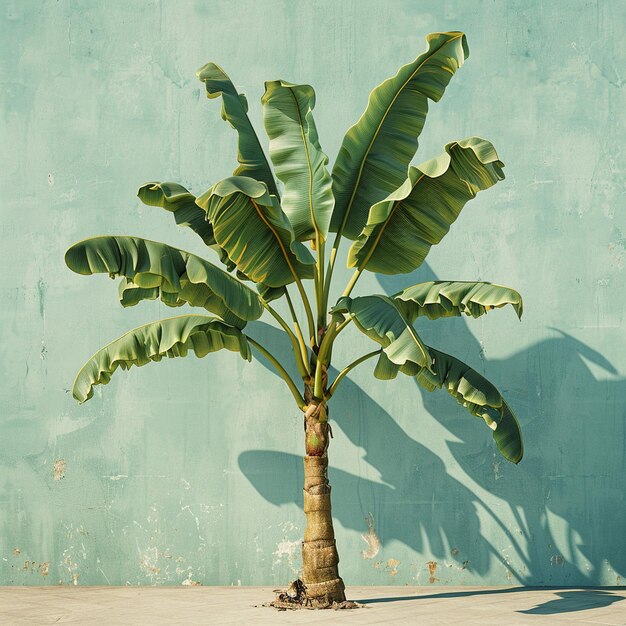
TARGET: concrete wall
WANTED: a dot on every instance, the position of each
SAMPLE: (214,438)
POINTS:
(189,470)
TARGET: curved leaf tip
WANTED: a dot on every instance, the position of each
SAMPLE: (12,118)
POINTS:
(252,160)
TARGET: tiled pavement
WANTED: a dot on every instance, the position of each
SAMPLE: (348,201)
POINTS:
(486,606)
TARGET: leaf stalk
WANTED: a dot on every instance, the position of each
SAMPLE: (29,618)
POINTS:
(281,372)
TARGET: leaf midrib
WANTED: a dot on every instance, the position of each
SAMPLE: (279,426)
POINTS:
(278,239)
(396,204)
(308,160)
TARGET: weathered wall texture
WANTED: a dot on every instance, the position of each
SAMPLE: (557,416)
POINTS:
(189,470)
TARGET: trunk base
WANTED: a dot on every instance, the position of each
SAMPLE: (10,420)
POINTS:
(297,596)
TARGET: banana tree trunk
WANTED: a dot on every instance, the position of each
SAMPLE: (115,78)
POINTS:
(319,552)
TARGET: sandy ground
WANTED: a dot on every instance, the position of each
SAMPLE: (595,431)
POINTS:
(126,606)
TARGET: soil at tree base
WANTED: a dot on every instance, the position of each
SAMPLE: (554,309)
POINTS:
(295,597)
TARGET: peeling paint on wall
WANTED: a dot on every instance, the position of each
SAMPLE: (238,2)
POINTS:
(371,539)
(286,551)
(392,566)
(58,469)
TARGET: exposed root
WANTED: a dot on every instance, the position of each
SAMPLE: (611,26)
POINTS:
(295,597)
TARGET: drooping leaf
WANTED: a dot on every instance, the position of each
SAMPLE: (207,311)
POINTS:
(155,269)
(250,225)
(171,337)
(298,158)
(377,150)
(402,228)
(440,298)
(252,160)
(182,204)
(267,293)
(177,200)
(382,320)
(508,435)
(470,389)
(270,294)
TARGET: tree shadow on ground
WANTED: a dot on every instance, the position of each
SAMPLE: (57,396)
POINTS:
(569,599)
(404,492)
(575,600)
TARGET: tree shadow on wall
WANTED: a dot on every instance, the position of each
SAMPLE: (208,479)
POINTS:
(573,427)
(565,414)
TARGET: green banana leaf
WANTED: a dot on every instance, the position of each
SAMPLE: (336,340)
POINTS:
(250,225)
(377,150)
(447,299)
(154,269)
(298,158)
(270,293)
(252,160)
(267,293)
(470,389)
(382,320)
(402,228)
(171,337)
(182,204)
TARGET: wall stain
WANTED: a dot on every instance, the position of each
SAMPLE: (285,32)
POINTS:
(432,568)
(41,294)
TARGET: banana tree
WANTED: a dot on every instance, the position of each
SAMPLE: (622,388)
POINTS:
(259,229)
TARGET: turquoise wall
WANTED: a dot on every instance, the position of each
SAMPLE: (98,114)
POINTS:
(189,470)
